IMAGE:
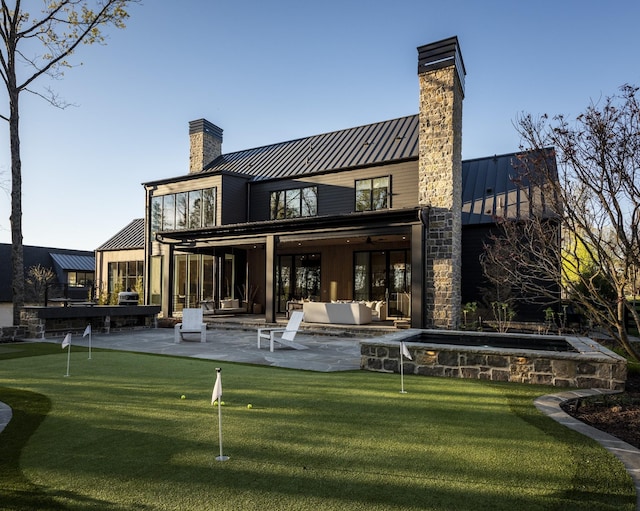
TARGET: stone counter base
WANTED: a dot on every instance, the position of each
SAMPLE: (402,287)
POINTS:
(40,322)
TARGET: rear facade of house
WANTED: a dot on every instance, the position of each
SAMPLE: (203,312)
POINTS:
(386,212)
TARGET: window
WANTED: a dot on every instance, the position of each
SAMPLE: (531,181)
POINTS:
(298,277)
(372,194)
(125,275)
(208,207)
(194,280)
(80,278)
(383,275)
(185,210)
(181,211)
(195,209)
(295,203)
(169,213)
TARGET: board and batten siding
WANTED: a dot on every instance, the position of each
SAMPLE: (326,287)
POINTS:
(232,200)
(336,190)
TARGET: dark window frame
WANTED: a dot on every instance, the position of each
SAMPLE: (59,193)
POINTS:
(367,198)
(293,203)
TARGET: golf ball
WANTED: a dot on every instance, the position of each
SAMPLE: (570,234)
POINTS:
(249,406)
(183,396)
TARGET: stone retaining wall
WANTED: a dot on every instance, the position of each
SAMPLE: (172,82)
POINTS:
(595,369)
(12,333)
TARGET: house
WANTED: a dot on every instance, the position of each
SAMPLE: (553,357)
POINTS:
(72,275)
(120,261)
(382,212)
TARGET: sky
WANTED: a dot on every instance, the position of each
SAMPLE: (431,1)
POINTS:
(270,71)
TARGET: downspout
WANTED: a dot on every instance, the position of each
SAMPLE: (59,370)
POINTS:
(424,214)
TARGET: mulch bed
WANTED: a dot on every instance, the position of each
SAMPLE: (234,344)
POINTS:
(617,414)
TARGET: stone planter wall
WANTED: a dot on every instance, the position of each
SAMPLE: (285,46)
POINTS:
(589,368)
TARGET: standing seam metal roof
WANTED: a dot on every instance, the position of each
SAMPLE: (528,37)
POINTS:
(131,237)
(373,144)
(68,262)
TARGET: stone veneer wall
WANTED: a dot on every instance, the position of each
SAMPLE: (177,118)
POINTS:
(13,333)
(557,369)
(440,189)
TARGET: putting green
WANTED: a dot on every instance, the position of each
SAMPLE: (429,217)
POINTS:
(119,436)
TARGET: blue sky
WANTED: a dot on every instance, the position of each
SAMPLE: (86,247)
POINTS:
(269,71)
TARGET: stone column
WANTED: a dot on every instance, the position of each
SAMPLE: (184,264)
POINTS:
(441,76)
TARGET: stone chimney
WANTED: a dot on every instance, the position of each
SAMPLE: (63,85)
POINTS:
(205,144)
(441,75)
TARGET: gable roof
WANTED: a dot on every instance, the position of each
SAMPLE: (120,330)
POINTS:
(129,238)
(362,146)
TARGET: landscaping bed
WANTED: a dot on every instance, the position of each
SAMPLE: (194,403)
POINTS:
(617,414)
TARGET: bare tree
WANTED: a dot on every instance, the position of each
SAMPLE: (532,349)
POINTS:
(581,236)
(53,32)
(38,278)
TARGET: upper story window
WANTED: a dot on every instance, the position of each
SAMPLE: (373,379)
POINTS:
(294,203)
(372,194)
(185,210)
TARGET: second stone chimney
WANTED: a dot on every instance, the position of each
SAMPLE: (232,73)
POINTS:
(205,144)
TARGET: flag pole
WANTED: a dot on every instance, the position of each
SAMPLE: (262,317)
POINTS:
(66,343)
(404,352)
(88,331)
(217,395)
(402,391)
(221,457)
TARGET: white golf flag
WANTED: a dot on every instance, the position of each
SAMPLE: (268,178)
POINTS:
(66,341)
(405,351)
(217,390)
(87,331)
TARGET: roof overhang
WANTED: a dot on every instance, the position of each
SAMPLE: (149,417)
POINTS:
(293,230)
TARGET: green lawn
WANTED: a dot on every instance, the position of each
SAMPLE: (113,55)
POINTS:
(116,435)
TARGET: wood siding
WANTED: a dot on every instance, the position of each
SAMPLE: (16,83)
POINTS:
(336,191)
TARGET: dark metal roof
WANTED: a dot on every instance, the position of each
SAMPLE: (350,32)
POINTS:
(69,262)
(131,237)
(34,256)
(490,187)
(373,144)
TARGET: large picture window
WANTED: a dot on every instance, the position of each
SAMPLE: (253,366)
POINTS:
(185,210)
(125,275)
(295,203)
(372,194)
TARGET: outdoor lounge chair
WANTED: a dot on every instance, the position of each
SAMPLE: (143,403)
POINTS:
(191,324)
(286,335)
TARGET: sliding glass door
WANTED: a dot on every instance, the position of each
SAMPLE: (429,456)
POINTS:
(298,278)
(383,275)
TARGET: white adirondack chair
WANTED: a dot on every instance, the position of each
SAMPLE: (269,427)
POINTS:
(191,324)
(283,336)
